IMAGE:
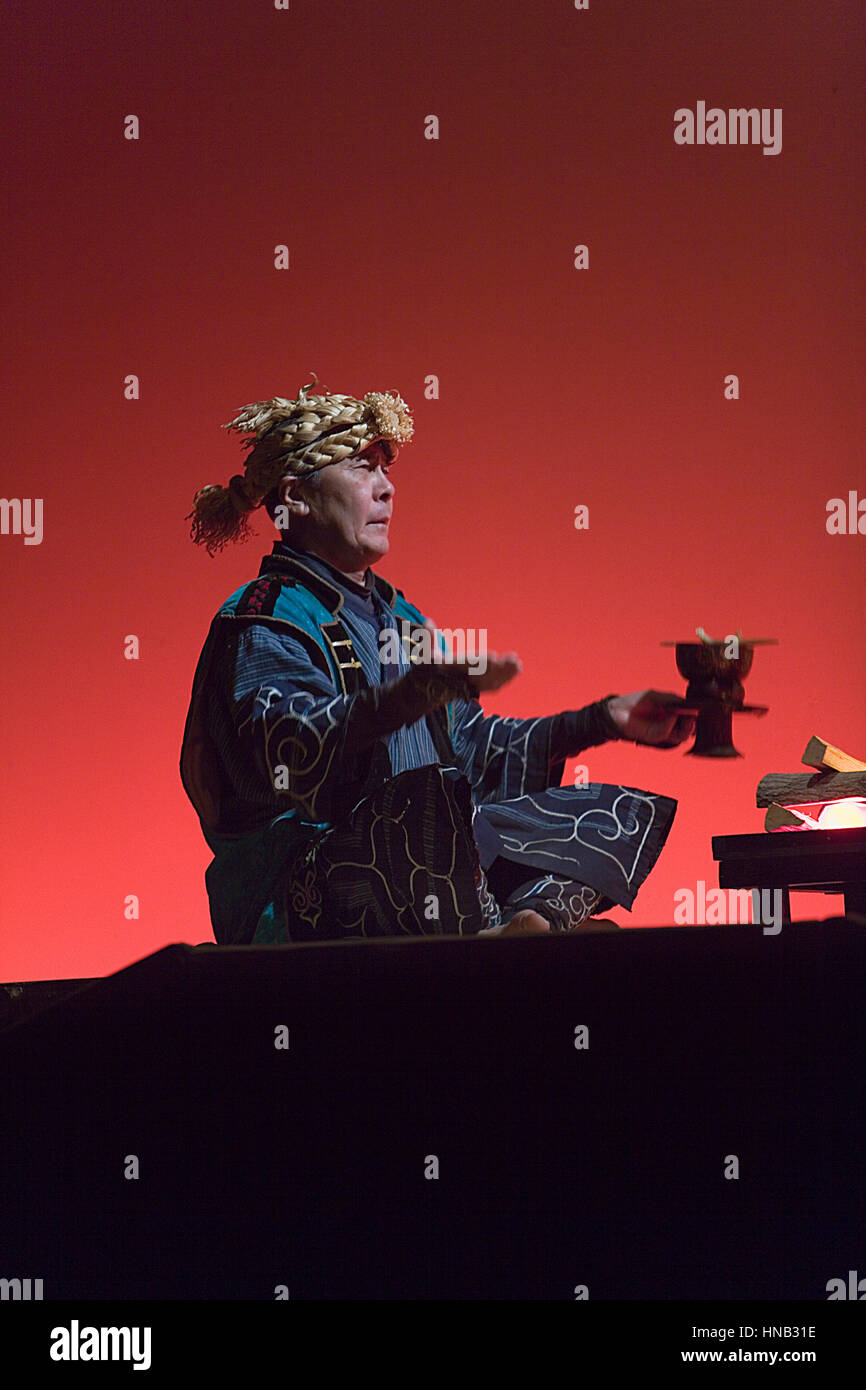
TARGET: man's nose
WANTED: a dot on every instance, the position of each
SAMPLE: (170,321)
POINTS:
(384,486)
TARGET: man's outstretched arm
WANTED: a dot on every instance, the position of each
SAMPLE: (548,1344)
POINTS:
(504,757)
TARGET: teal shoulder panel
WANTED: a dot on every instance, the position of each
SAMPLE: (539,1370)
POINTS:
(288,608)
(270,596)
(404,609)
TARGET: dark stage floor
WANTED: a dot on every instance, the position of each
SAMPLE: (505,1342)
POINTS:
(666,1114)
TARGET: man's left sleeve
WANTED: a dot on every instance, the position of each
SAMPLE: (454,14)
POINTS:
(505,758)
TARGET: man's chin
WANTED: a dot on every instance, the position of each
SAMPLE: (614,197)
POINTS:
(378,547)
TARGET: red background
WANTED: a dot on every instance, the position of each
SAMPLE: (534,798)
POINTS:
(412,257)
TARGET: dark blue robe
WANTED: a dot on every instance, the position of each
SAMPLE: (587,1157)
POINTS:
(264,698)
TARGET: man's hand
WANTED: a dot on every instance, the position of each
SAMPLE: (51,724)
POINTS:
(500,669)
(652,717)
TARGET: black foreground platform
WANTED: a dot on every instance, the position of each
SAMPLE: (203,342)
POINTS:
(560,1167)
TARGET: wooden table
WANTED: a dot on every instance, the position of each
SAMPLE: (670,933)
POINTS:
(815,861)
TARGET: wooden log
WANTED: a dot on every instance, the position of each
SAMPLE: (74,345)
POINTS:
(778,816)
(797,788)
(827,757)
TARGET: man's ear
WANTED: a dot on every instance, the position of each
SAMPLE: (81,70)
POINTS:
(286,498)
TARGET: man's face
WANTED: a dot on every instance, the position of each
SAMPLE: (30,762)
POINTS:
(350,508)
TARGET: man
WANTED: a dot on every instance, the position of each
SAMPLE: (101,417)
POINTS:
(345,792)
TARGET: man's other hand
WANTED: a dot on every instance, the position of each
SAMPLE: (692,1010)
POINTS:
(652,717)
